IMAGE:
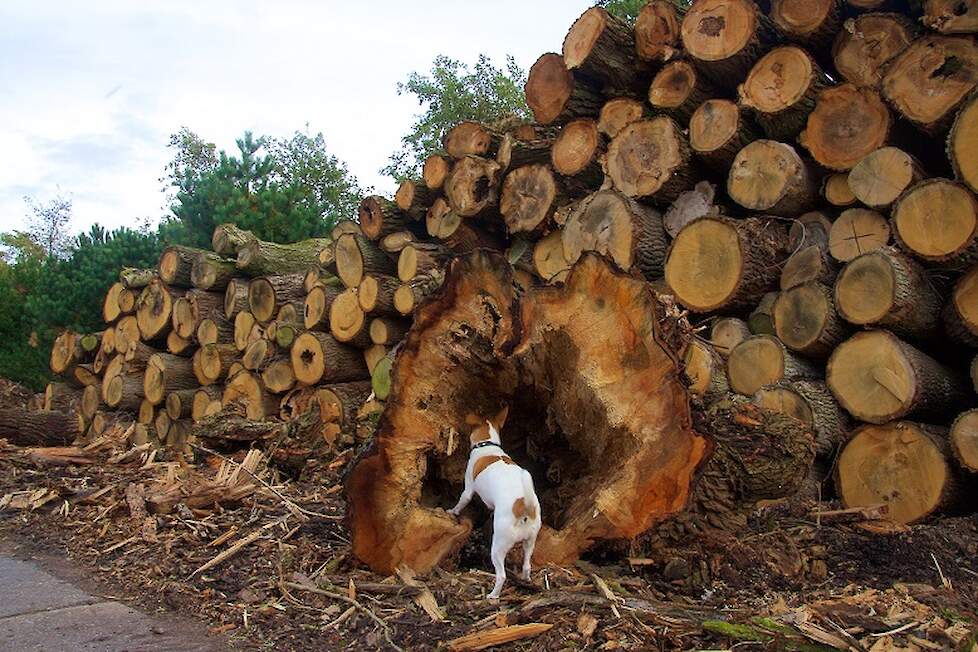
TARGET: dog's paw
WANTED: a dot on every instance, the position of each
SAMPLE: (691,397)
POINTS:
(492,598)
(526,574)
(452,512)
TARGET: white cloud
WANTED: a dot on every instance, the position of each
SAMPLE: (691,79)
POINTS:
(92,90)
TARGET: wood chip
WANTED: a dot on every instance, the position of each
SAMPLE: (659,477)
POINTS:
(489,638)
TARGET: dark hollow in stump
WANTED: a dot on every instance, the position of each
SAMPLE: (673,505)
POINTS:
(718,130)
(770,176)
(901,465)
(961,144)
(727,37)
(472,186)
(600,48)
(764,360)
(465,358)
(651,158)
(856,232)
(887,288)
(678,89)
(318,357)
(380,216)
(811,402)
(722,264)
(937,221)
(805,319)
(848,124)
(964,440)
(961,311)
(811,23)
(878,378)
(528,200)
(554,96)
(657,31)
(929,80)
(866,44)
(610,223)
(781,90)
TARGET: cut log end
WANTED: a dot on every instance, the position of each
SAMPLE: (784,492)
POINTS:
(856,232)
(657,31)
(576,147)
(961,149)
(848,123)
(715,30)
(527,199)
(763,360)
(650,158)
(937,221)
(867,43)
(964,440)
(770,176)
(882,176)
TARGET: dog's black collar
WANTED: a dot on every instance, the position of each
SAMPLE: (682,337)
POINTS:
(484,444)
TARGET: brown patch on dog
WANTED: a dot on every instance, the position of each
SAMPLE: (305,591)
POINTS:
(483,462)
(480,434)
(521,509)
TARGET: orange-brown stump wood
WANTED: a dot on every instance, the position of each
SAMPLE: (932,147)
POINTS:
(467,357)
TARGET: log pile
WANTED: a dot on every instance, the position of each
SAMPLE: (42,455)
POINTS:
(735,240)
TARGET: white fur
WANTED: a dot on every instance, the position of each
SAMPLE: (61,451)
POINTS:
(501,485)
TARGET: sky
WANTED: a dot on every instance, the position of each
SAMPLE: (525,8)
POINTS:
(90,91)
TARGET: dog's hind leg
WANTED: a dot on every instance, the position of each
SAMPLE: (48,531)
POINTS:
(499,550)
(527,553)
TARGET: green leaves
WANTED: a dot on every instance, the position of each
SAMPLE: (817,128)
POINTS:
(450,93)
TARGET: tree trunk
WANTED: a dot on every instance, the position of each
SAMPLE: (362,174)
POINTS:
(764,360)
(836,190)
(376,295)
(727,37)
(856,232)
(964,440)
(612,224)
(888,289)
(194,306)
(848,124)
(813,264)
(960,145)
(393,243)
(318,357)
(657,32)
(727,333)
(215,330)
(718,130)
(459,235)
(618,113)
(388,331)
(175,265)
(805,319)
(781,89)
(167,373)
(212,272)
(228,239)
(259,258)
(154,310)
(577,153)
(61,397)
(235,298)
(651,158)
(903,466)
(812,24)
(126,334)
(374,355)
(435,171)
(705,273)
(267,294)
(678,89)
(761,318)
(68,350)
(555,96)
(931,79)
(380,216)
(356,256)
(123,391)
(212,362)
(600,48)
(458,365)
(347,323)
(515,153)
(421,258)
(472,186)
(133,278)
(878,378)
(258,354)
(469,138)
(770,176)
(867,43)
(882,176)
(961,311)
(38,428)
(937,221)
(409,295)
(811,402)
(315,313)
(246,389)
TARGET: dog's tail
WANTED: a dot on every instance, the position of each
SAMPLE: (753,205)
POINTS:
(530,497)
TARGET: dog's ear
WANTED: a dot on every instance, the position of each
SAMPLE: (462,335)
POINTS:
(500,418)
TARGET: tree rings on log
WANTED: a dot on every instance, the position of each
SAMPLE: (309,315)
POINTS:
(380,216)
(961,312)
(882,176)
(347,323)
(318,357)
(357,256)
(866,43)
(600,47)
(763,360)
(781,90)
(717,131)
(951,16)
(810,264)
(650,158)
(806,321)
(727,36)
(549,259)
(937,221)
(878,377)
(657,31)
(110,305)
(175,265)
(811,402)
(235,297)
(961,144)
(247,390)
(887,288)
(964,440)
(727,333)
(577,150)
(528,199)
(704,370)
(435,171)
(836,190)
(618,113)
(154,309)
(848,124)
(929,80)
(902,466)
(770,176)
(856,232)
(811,23)
(554,96)
(678,89)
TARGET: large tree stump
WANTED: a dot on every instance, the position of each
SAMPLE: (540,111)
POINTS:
(567,421)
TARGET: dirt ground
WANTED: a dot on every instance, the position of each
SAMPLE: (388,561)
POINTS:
(803,577)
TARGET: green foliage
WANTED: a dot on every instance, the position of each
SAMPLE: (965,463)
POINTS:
(451,93)
(283,190)
(629,9)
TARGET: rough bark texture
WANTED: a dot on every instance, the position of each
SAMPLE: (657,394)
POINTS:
(38,428)
(600,48)
(961,311)
(811,402)
(259,258)
(228,239)
(176,263)
(212,272)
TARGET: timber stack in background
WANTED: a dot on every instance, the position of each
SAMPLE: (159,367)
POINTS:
(798,176)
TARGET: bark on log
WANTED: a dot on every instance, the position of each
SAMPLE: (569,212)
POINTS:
(705,371)
(951,16)
(469,138)
(277,375)
(458,363)
(214,329)
(727,37)
(318,357)
(867,43)
(356,256)
(810,23)
(761,319)
(856,232)
(459,235)
(167,373)
(600,48)
(651,158)
(678,89)
(878,378)
(555,96)
(235,298)
(268,294)
(380,216)
(472,186)
(764,360)
(577,152)
(175,265)
(720,264)
(388,331)
(657,32)
(246,389)
(228,239)
(848,124)
(960,146)
(61,397)
(937,221)
(882,176)
(888,289)
(770,176)
(259,258)
(110,306)
(718,130)
(515,153)
(806,320)
(133,278)
(961,311)
(811,402)
(340,402)
(931,79)
(782,89)
(315,312)
(190,309)
(38,428)
(211,363)
(179,404)
(212,272)
(409,296)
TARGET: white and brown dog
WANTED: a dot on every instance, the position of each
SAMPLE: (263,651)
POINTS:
(505,488)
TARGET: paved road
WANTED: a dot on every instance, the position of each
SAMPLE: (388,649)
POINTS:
(41,613)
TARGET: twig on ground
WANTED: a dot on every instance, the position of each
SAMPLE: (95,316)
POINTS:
(349,601)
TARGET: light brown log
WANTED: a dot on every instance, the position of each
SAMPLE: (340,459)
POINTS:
(781,91)
(380,216)
(882,176)
(678,89)
(318,357)
(207,402)
(770,176)
(246,330)
(260,258)
(175,264)
(888,289)
(110,306)
(937,221)
(347,322)
(340,402)
(721,264)
(133,278)
(867,43)
(228,239)
(39,427)
(612,224)
(211,363)
(810,264)
(123,391)
(901,465)
(316,275)
(212,272)
(126,334)
(178,345)
(651,158)
(83,375)
(848,124)
(527,201)
(657,32)
(806,321)
(315,312)
(127,301)
(421,258)
(388,331)
(878,378)
(619,112)
(961,311)
(392,243)
(376,295)
(356,256)
(961,145)
(718,130)
(810,23)
(472,186)
(704,371)
(246,389)
(459,235)
(951,16)
(726,37)
(277,375)
(555,96)
(70,349)
(147,413)
(549,259)
(435,171)
(727,333)
(600,47)
(836,190)
(235,297)
(268,294)
(929,81)
(811,402)
(258,354)
(764,360)
(470,138)
(167,373)
(856,232)
(515,153)
(62,397)
(190,309)
(964,440)
(577,152)
(179,404)
(373,355)
(214,329)
(154,309)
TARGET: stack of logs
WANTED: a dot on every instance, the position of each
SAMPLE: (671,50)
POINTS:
(799,177)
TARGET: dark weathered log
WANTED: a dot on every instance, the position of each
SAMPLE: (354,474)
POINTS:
(951,16)
(553,94)
(39,427)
